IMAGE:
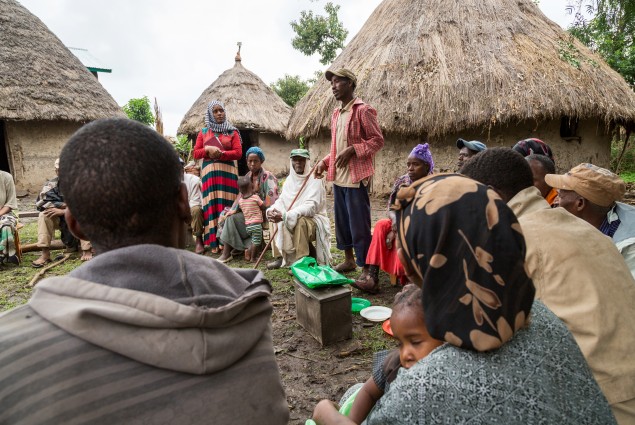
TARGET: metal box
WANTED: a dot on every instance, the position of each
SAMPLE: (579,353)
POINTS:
(324,313)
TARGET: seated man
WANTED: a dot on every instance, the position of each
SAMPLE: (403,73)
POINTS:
(51,205)
(145,332)
(577,273)
(468,150)
(8,220)
(304,222)
(542,165)
(591,193)
(193,183)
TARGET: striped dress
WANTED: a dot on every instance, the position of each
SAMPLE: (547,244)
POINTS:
(219,183)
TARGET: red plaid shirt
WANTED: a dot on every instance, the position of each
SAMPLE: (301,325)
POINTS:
(363,134)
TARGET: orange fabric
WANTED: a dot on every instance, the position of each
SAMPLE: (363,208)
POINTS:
(551,196)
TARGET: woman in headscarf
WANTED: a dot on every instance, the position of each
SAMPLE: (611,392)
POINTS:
(234,236)
(382,253)
(218,144)
(463,245)
(533,146)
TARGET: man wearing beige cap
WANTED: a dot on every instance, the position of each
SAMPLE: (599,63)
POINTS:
(355,139)
(591,193)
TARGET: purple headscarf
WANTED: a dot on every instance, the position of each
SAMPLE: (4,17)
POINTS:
(423,153)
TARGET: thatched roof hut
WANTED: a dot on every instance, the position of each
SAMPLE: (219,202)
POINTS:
(252,106)
(438,69)
(45,95)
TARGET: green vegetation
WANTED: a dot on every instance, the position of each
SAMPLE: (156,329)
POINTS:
(319,34)
(139,110)
(291,88)
(183,146)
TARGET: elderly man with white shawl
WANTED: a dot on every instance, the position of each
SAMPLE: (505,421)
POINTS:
(303,222)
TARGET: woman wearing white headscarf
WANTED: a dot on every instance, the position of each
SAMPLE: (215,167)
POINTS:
(304,222)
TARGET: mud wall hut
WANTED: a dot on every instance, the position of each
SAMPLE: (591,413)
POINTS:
(46,94)
(252,107)
(493,70)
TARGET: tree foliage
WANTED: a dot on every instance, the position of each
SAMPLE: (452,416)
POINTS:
(291,88)
(139,110)
(319,34)
(607,27)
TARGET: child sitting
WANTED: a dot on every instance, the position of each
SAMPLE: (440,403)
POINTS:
(251,206)
(408,326)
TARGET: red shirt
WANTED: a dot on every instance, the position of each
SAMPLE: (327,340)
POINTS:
(363,134)
(233,149)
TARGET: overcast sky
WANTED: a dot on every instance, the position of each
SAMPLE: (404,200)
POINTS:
(173,50)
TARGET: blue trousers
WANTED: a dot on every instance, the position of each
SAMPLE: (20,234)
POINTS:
(352,220)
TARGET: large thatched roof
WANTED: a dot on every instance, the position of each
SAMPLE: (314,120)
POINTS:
(440,66)
(40,79)
(250,103)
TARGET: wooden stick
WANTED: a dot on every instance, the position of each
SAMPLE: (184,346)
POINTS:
(55,245)
(43,270)
(290,206)
(619,158)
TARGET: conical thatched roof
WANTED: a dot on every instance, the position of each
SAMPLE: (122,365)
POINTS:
(250,103)
(441,66)
(40,79)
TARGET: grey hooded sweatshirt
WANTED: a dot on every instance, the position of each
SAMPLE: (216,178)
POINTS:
(143,335)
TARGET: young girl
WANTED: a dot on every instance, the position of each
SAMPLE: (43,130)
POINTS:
(409,327)
(252,207)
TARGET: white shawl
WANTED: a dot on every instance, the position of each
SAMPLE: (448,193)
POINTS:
(310,203)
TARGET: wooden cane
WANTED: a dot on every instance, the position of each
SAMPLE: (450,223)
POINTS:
(290,206)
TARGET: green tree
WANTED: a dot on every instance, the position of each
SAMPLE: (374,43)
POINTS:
(139,110)
(607,27)
(319,34)
(291,88)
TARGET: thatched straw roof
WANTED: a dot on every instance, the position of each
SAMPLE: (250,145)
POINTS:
(439,66)
(40,79)
(250,103)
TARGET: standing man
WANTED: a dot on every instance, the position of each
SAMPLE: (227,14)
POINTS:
(355,139)
(468,150)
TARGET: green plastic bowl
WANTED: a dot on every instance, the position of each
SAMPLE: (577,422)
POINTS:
(358,304)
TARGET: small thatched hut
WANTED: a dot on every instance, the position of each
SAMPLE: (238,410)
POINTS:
(252,107)
(45,95)
(494,70)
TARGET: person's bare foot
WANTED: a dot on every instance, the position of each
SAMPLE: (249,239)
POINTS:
(346,266)
(368,284)
(200,248)
(247,255)
(87,255)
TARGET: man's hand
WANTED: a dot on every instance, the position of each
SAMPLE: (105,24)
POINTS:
(194,170)
(53,212)
(319,170)
(342,159)
(274,216)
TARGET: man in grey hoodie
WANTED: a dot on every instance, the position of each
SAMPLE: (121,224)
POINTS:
(145,332)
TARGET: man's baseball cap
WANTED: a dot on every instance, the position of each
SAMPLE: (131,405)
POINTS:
(341,72)
(300,152)
(473,145)
(597,184)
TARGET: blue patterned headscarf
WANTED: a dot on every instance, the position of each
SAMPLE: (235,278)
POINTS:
(225,127)
(257,151)
(423,153)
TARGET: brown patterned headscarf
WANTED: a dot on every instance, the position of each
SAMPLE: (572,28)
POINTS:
(467,246)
